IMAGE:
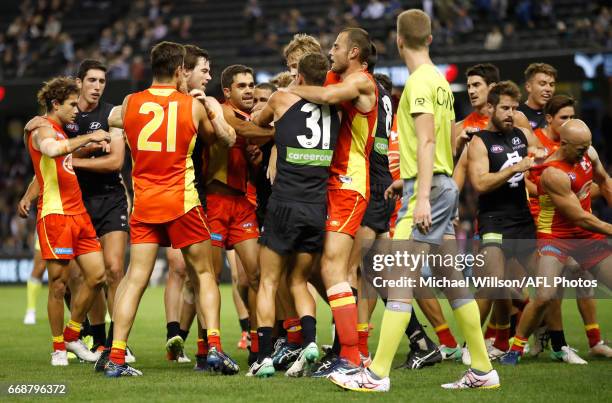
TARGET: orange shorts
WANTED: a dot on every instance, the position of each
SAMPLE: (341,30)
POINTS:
(66,236)
(345,210)
(188,229)
(232,220)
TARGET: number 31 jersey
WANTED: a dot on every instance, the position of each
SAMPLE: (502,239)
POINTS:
(161,134)
(305,139)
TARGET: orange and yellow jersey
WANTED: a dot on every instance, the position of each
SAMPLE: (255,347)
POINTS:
(161,134)
(229,165)
(350,164)
(476,120)
(550,146)
(59,188)
(550,222)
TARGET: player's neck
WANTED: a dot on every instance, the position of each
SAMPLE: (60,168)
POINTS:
(54,118)
(159,83)
(85,106)
(482,110)
(531,103)
(416,58)
(352,68)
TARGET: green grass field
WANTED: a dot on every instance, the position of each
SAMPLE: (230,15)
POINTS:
(26,359)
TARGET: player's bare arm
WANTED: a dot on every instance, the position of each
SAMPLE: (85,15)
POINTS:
(267,114)
(460,171)
(521,121)
(557,185)
(602,183)
(115,118)
(215,114)
(478,168)
(244,128)
(206,131)
(426,144)
(356,87)
(111,162)
(44,140)
(32,192)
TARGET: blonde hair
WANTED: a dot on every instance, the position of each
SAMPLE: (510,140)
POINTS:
(414,27)
(282,79)
(302,43)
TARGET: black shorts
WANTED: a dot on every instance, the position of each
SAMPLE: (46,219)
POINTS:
(108,212)
(294,227)
(379,211)
(515,235)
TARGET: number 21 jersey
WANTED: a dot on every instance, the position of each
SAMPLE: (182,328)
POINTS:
(161,134)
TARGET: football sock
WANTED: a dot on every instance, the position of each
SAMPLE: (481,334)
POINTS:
(363,331)
(344,311)
(557,339)
(518,344)
(214,338)
(172,329)
(244,324)
(468,318)
(72,331)
(309,329)
(502,337)
(445,336)
(33,289)
(183,334)
(254,341)
(109,336)
(593,333)
(294,331)
(264,335)
(281,332)
(58,343)
(394,322)
(491,330)
(99,334)
(117,354)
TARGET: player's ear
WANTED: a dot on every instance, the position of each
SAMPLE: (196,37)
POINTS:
(300,79)
(548,118)
(227,92)
(79,82)
(55,104)
(429,39)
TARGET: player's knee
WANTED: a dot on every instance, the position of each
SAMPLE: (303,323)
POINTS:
(58,288)
(96,279)
(114,273)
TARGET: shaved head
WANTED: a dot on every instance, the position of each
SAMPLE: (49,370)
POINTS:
(575,140)
(575,131)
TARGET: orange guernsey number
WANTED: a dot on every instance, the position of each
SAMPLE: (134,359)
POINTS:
(144,144)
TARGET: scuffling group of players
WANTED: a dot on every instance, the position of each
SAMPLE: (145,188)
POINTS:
(294,175)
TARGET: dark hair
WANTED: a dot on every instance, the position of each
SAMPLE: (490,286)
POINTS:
(508,88)
(359,38)
(385,81)
(228,74)
(373,58)
(192,54)
(558,102)
(313,67)
(535,68)
(489,72)
(58,89)
(90,64)
(166,57)
(266,86)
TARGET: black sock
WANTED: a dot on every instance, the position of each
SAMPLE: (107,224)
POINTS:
(557,339)
(281,331)
(336,345)
(265,343)
(244,324)
(99,334)
(416,334)
(309,329)
(85,328)
(172,329)
(513,323)
(183,334)
(109,336)
(355,294)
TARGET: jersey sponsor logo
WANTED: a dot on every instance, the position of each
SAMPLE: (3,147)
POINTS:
(444,98)
(513,158)
(67,164)
(584,191)
(63,251)
(72,127)
(248,225)
(419,101)
(586,165)
(95,125)
(312,157)
(516,141)
(381,146)
(216,237)
(496,149)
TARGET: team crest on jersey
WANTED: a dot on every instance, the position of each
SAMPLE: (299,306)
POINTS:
(572,176)
(95,125)
(72,127)
(496,149)
(346,179)
(67,164)
(585,164)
